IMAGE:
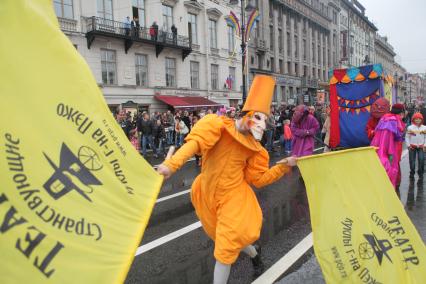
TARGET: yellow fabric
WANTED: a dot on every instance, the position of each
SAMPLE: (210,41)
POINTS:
(221,195)
(57,133)
(352,202)
(260,95)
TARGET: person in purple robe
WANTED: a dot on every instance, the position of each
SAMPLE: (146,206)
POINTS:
(304,126)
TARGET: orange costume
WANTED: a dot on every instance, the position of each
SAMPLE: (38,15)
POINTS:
(221,194)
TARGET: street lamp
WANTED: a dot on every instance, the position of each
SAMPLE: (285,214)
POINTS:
(244,8)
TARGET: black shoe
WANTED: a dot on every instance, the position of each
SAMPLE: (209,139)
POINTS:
(258,265)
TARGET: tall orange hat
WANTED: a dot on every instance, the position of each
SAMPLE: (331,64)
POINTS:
(260,95)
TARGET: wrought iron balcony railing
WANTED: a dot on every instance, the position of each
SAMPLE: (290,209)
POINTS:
(96,26)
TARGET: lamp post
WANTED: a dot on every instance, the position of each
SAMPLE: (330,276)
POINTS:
(244,40)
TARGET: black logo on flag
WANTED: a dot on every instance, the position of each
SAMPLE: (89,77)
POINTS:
(72,174)
(379,247)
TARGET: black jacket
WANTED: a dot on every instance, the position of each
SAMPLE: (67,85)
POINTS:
(145,126)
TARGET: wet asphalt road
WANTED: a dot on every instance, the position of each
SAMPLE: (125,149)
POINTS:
(189,258)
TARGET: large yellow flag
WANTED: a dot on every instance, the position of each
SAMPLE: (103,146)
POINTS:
(75,197)
(361,231)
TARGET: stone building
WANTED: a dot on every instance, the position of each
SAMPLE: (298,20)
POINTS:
(384,54)
(136,69)
(296,42)
(357,35)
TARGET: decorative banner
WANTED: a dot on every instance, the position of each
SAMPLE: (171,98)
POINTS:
(75,196)
(361,231)
(233,21)
(254,16)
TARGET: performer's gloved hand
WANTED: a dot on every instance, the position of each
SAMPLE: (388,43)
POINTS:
(412,146)
(290,161)
(164,170)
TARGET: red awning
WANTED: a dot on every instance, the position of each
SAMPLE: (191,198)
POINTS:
(187,102)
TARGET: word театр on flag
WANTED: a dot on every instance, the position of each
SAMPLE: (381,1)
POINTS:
(361,231)
(75,197)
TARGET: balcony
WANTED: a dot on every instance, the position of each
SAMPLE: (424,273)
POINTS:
(96,26)
(67,25)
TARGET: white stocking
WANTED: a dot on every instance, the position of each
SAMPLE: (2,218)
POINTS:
(221,273)
(250,251)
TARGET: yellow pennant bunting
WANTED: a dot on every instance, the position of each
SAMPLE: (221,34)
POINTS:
(75,197)
(361,231)
(357,110)
(368,108)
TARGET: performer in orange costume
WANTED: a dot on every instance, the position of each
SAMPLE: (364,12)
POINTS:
(232,159)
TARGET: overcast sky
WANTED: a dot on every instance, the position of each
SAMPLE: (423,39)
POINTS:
(404,23)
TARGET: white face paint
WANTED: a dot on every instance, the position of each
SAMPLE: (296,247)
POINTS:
(258,125)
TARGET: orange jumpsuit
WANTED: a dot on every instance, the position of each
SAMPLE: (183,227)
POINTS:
(221,195)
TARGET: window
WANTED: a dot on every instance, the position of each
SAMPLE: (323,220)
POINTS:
(170,72)
(319,54)
(215,76)
(141,68)
(280,41)
(192,20)
(105,9)
(296,69)
(313,53)
(272,64)
(108,64)
(63,8)
(231,78)
(195,74)
(296,46)
(271,38)
(288,67)
(167,18)
(281,62)
(231,39)
(288,45)
(138,9)
(213,34)
(304,49)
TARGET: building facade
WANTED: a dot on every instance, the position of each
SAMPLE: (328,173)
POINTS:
(357,34)
(384,54)
(399,74)
(133,65)
(296,42)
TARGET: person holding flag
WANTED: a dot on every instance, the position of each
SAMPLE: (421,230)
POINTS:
(232,160)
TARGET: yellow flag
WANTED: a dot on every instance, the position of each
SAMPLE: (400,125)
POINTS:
(75,197)
(361,231)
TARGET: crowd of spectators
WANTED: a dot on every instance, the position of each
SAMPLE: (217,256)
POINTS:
(158,130)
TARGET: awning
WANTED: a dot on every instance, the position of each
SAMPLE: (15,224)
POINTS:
(187,102)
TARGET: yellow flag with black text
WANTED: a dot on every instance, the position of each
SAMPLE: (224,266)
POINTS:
(361,231)
(75,197)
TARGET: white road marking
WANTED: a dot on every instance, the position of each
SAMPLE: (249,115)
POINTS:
(282,265)
(172,196)
(167,238)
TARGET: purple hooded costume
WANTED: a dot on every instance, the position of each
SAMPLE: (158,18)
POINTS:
(303,127)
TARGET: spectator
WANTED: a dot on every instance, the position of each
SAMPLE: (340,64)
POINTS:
(181,130)
(126,125)
(159,135)
(326,131)
(145,129)
(174,32)
(186,120)
(127,25)
(416,143)
(304,126)
(195,119)
(287,137)
(135,27)
(153,31)
(270,127)
(170,124)
(134,139)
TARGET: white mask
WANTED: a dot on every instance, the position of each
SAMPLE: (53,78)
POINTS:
(258,125)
